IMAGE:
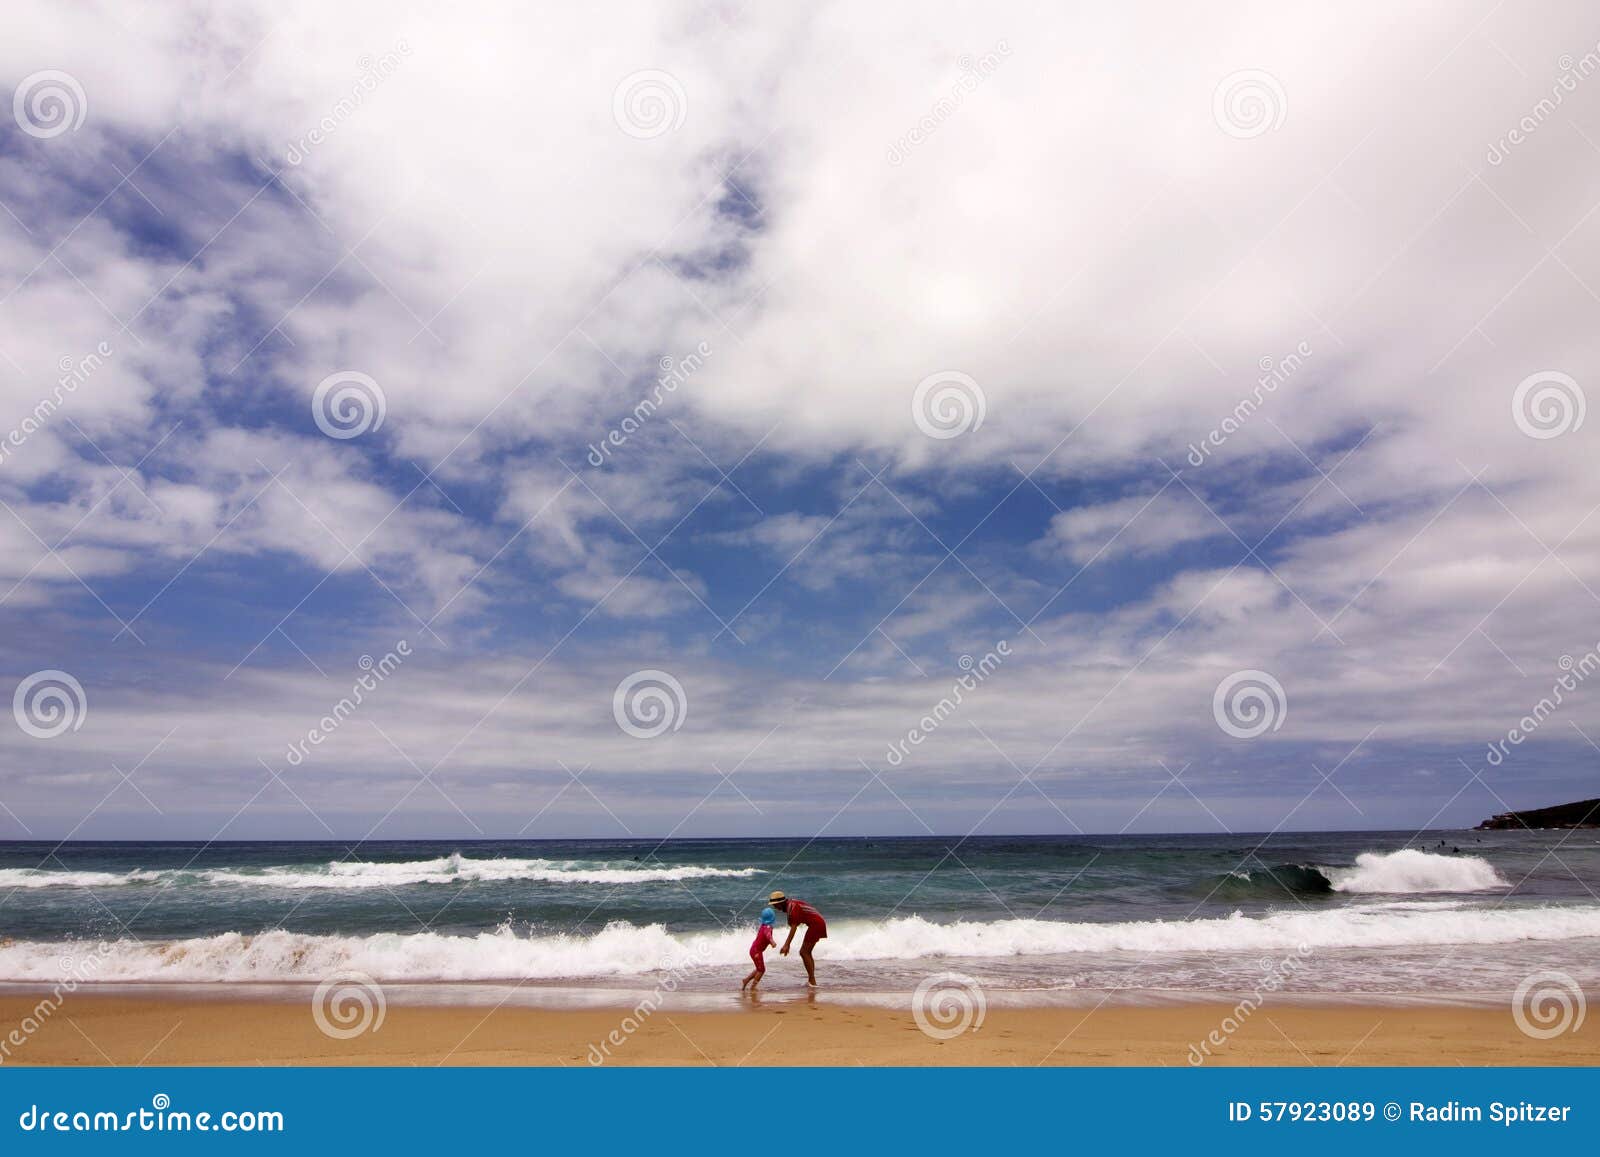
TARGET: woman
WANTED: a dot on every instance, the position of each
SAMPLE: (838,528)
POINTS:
(799,912)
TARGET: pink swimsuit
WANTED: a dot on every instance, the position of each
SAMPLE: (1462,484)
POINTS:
(762,941)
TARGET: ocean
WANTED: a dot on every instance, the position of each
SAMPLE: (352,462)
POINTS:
(1034,919)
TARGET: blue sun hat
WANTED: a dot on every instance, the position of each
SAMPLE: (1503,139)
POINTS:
(768,916)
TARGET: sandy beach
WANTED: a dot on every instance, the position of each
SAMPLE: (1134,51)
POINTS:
(93,1029)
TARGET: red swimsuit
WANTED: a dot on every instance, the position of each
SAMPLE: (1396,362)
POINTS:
(816,927)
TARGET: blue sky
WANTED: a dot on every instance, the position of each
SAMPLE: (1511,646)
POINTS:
(935,322)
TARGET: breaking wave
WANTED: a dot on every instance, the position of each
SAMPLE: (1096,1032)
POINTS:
(350,875)
(1411,871)
(623,949)
(1401,873)
(1283,880)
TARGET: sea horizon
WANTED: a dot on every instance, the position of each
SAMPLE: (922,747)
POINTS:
(647,838)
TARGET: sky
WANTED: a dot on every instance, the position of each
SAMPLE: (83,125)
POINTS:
(712,420)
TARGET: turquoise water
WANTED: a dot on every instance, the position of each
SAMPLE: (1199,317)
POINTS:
(1356,912)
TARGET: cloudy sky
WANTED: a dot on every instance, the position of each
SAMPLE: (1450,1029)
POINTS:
(673,404)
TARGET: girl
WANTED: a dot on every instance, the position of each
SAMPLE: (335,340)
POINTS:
(758,949)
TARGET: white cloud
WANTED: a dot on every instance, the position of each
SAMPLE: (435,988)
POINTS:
(1139,524)
(1078,235)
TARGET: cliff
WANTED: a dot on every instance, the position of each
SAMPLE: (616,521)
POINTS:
(1583,814)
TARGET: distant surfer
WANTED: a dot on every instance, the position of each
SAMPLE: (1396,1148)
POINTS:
(799,912)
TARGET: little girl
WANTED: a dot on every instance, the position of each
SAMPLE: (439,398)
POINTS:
(758,948)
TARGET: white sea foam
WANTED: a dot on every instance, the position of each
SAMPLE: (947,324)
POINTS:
(622,949)
(353,875)
(457,869)
(42,878)
(1408,871)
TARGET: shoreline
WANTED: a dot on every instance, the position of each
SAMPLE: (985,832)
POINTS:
(94,1028)
(558,996)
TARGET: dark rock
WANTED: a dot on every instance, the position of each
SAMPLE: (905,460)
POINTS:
(1583,814)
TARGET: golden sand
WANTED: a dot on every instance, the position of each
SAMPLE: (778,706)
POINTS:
(90,1029)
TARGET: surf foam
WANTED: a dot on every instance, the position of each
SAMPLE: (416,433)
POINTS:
(1410,871)
(623,949)
(41,878)
(340,874)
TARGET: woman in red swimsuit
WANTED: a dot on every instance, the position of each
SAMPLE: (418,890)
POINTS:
(799,912)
